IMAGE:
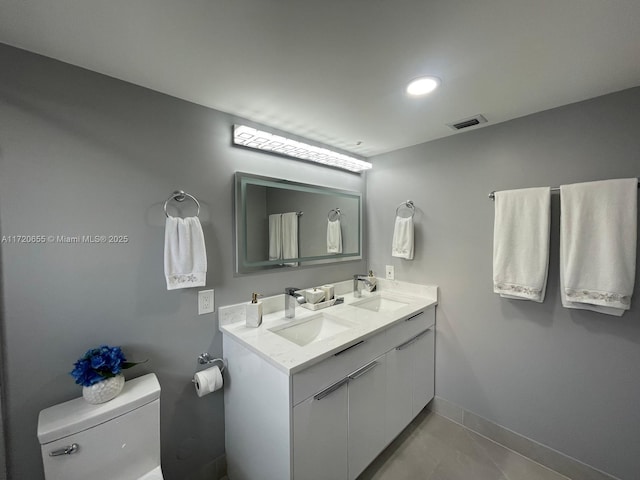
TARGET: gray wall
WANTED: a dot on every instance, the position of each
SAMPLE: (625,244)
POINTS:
(565,378)
(81,153)
(3,443)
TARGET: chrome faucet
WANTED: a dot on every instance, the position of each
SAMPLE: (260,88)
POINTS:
(291,298)
(357,292)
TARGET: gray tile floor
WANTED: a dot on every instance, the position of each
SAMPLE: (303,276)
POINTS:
(434,448)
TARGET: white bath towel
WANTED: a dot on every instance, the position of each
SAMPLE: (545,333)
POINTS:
(521,243)
(290,236)
(334,237)
(185,256)
(275,236)
(402,243)
(598,235)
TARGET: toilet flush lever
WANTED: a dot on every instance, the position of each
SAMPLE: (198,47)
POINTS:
(68,450)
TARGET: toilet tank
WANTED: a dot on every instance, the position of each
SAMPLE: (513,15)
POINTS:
(119,439)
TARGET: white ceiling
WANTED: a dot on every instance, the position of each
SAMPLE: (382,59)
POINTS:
(335,71)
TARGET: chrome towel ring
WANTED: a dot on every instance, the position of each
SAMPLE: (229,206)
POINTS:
(336,213)
(408,204)
(180,196)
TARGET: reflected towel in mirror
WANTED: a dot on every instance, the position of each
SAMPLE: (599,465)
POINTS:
(334,236)
(290,236)
(275,236)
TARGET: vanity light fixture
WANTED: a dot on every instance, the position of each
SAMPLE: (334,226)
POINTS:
(261,140)
(422,86)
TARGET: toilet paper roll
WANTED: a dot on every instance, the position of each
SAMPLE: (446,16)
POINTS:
(208,381)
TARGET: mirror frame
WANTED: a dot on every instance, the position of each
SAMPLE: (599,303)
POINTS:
(242,264)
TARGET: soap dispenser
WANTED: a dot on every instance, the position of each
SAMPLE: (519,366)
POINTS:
(370,284)
(254,311)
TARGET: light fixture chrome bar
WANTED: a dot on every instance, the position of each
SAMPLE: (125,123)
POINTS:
(261,140)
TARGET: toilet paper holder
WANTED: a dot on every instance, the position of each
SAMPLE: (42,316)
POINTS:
(207,359)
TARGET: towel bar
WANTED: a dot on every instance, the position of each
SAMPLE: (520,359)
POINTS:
(492,195)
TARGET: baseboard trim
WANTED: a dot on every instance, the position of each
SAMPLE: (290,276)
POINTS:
(221,467)
(542,454)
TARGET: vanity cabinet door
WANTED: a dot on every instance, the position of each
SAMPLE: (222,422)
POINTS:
(410,381)
(320,426)
(367,387)
(424,370)
(399,393)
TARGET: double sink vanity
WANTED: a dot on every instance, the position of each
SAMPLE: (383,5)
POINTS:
(320,395)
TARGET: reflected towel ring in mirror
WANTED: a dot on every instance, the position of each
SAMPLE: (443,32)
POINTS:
(408,204)
(179,196)
(334,214)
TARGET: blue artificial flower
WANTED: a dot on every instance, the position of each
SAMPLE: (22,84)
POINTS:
(99,363)
(84,374)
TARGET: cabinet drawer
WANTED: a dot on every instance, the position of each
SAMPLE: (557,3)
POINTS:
(319,376)
(410,327)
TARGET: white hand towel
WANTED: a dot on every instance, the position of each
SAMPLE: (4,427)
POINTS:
(185,256)
(334,237)
(275,236)
(290,236)
(521,243)
(402,243)
(598,235)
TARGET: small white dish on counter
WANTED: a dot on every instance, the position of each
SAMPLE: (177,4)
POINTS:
(318,306)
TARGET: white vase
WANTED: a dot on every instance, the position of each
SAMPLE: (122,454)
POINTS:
(103,391)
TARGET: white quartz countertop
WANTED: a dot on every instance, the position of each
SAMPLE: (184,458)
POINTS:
(290,357)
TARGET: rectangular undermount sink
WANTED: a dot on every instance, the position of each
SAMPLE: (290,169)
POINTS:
(312,329)
(380,303)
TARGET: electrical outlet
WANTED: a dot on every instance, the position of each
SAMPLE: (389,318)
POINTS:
(390,274)
(205,302)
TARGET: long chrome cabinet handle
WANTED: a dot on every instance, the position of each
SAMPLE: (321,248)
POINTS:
(412,340)
(360,372)
(68,450)
(414,317)
(349,348)
(330,389)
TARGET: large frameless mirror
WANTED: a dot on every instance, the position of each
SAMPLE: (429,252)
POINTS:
(284,224)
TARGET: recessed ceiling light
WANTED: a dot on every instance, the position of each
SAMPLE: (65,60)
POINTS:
(422,86)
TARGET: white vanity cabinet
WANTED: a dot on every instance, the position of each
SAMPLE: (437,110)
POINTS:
(410,381)
(340,430)
(320,434)
(332,419)
(366,433)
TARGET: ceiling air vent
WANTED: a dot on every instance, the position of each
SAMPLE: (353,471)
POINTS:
(468,122)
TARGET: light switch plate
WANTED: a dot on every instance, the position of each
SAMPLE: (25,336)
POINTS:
(390,274)
(205,302)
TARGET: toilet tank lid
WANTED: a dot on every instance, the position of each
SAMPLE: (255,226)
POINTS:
(76,415)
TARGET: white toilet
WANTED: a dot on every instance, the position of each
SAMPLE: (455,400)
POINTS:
(116,440)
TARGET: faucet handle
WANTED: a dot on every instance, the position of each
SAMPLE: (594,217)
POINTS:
(290,290)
